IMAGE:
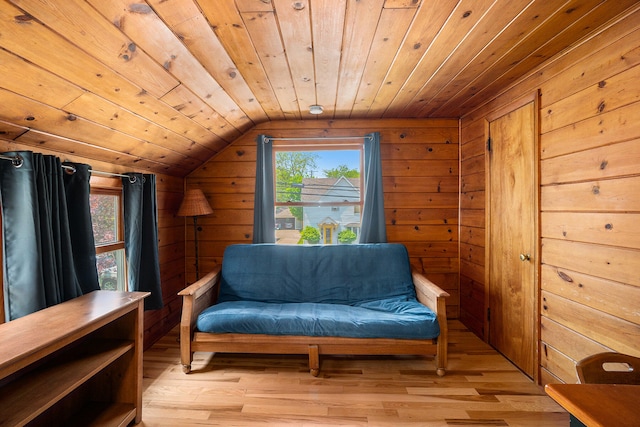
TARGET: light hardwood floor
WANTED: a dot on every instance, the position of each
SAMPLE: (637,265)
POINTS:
(481,388)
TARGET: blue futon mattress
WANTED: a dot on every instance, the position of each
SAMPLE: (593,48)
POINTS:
(399,317)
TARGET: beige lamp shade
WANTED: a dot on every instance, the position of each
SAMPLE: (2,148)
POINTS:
(194,204)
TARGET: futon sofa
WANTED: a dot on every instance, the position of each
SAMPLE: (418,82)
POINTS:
(359,299)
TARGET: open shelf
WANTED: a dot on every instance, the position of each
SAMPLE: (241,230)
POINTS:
(82,372)
(24,400)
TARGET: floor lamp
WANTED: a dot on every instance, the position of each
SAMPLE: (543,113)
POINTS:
(195,204)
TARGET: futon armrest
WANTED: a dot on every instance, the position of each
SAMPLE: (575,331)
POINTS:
(432,296)
(428,293)
(195,298)
(197,289)
(198,296)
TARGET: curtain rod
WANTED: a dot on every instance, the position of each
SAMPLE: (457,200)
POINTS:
(17,162)
(316,138)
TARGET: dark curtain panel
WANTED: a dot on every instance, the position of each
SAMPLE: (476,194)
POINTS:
(77,190)
(264,221)
(141,237)
(373,228)
(38,259)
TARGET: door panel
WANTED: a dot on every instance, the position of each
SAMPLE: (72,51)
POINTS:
(512,237)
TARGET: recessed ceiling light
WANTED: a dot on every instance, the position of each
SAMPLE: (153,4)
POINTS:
(316,109)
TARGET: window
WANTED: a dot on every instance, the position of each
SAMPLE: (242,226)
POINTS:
(108,232)
(317,194)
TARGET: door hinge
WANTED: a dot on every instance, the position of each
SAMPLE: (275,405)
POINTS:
(488,314)
(489,144)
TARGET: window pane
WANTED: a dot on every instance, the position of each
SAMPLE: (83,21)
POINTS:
(318,196)
(111,270)
(325,225)
(317,176)
(104,215)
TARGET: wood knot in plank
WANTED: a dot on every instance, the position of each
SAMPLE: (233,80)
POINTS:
(141,8)
(564,276)
(127,51)
(24,18)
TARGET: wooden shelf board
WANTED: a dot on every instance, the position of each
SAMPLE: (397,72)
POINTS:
(65,324)
(22,401)
(104,414)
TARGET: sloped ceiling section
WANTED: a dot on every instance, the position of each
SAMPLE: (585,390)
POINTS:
(164,85)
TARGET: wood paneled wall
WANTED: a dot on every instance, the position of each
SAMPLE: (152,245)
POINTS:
(171,236)
(590,199)
(420,173)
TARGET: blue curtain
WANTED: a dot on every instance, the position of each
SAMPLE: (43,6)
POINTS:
(141,237)
(39,263)
(264,221)
(373,228)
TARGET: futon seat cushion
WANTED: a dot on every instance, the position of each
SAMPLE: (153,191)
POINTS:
(392,318)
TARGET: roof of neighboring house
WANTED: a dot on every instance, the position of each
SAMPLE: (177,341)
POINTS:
(330,189)
(283,212)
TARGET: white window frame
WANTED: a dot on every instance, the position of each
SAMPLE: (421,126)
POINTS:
(113,187)
(338,146)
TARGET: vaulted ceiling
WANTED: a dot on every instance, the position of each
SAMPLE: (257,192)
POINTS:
(163,85)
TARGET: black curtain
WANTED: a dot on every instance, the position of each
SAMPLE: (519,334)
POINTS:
(141,237)
(39,267)
(77,189)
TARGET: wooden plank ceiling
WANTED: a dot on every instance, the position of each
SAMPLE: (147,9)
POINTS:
(163,85)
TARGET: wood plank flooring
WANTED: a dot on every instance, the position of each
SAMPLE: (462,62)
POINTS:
(481,388)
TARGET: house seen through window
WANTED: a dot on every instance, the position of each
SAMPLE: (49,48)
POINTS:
(108,232)
(318,196)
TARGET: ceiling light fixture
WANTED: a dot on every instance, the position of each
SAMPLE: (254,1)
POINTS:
(316,109)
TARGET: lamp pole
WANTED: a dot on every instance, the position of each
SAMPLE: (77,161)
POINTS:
(195,240)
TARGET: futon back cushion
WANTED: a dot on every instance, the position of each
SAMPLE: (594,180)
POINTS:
(339,274)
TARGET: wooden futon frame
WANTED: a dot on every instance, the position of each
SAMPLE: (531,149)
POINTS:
(203,294)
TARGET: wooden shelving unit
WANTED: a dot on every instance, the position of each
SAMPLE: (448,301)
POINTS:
(76,363)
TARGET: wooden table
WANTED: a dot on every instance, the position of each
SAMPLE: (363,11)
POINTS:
(599,404)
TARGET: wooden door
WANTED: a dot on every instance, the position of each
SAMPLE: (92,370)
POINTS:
(512,236)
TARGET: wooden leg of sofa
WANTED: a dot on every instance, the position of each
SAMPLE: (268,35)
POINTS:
(441,362)
(314,360)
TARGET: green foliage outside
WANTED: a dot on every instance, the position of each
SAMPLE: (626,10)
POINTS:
(310,234)
(342,170)
(291,168)
(347,236)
